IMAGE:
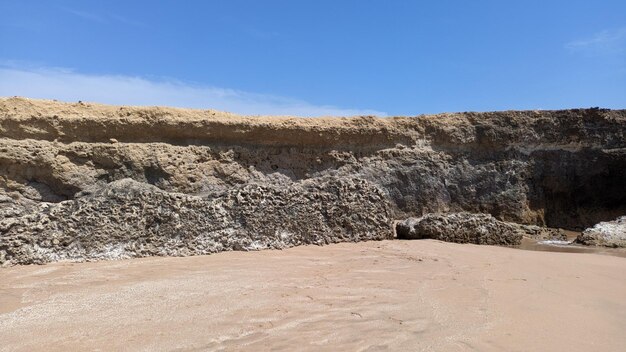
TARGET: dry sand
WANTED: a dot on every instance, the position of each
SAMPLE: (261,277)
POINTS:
(374,296)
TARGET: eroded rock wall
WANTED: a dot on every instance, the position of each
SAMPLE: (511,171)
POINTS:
(558,168)
(126,219)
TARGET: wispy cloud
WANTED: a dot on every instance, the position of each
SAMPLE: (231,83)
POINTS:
(103,18)
(126,20)
(86,15)
(605,42)
(67,85)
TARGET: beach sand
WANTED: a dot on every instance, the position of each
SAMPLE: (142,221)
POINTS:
(371,296)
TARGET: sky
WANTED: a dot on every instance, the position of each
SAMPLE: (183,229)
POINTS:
(318,57)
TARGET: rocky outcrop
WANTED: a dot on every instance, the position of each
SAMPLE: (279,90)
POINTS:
(606,233)
(131,219)
(548,168)
(472,228)
(540,233)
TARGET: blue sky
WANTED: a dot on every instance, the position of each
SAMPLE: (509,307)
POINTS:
(315,57)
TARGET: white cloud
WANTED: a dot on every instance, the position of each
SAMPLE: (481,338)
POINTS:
(605,42)
(67,85)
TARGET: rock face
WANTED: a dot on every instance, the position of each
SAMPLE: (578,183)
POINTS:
(130,219)
(548,168)
(607,234)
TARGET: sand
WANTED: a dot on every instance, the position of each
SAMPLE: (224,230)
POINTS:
(373,296)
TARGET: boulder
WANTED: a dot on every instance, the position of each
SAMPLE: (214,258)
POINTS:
(540,233)
(607,234)
(460,228)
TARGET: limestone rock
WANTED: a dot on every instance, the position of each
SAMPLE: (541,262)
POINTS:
(473,228)
(607,234)
(556,168)
(561,168)
(460,228)
(131,219)
(542,233)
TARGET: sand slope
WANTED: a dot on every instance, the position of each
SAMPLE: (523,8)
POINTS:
(372,296)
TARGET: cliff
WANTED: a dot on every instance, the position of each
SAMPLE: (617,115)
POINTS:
(212,181)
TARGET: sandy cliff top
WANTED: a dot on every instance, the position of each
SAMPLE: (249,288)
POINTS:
(22,118)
